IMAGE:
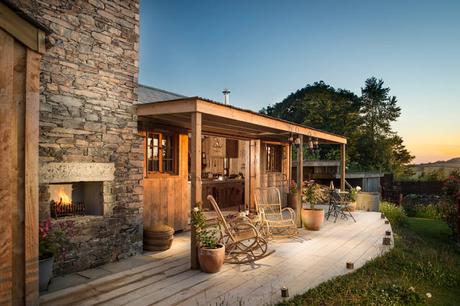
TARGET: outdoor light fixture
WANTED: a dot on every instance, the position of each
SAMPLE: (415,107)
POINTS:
(316,143)
(297,141)
(310,143)
(291,138)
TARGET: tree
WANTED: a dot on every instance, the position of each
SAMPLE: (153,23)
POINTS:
(323,107)
(384,149)
(365,121)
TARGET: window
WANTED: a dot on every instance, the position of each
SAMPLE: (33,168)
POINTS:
(274,158)
(161,154)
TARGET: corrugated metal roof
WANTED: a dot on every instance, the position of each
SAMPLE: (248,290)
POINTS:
(148,94)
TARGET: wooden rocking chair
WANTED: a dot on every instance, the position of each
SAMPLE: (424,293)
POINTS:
(243,242)
(277,222)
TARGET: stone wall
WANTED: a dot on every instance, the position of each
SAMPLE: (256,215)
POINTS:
(89,80)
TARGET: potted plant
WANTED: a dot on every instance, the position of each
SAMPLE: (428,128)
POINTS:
(211,254)
(52,240)
(353,194)
(292,195)
(312,217)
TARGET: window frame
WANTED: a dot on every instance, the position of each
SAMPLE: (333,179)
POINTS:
(273,152)
(173,151)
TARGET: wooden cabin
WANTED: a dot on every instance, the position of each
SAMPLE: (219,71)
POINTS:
(195,147)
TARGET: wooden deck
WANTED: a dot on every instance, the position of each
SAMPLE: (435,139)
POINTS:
(297,264)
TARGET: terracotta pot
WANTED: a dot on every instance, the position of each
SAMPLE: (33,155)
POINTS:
(211,260)
(292,200)
(312,219)
(352,206)
(45,268)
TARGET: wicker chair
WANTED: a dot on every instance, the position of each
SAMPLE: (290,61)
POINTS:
(277,222)
(243,242)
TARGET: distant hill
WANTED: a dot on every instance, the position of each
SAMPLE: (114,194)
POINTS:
(440,169)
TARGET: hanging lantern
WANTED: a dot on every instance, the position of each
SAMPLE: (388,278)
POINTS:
(310,143)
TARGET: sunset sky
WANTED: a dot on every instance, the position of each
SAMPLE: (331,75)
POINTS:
(264,50)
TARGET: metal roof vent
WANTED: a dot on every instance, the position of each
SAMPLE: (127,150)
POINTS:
(226,93)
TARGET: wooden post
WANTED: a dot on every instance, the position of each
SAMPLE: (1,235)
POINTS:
(342,166)
(247,175)
(196,180)
(299,181)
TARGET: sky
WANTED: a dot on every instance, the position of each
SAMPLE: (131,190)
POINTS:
(264,50)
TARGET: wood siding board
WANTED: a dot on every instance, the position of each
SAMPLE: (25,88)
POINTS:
(18,206)
(7,143)
(31,176)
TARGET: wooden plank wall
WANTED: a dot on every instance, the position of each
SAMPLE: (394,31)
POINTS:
(167,197)
(279,180)
(19,100)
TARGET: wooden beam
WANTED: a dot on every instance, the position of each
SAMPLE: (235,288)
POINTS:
(264,121)
(17,182)
(167,107)
(247,175)
(31,177)
(196,196)
(342,166)
(7,164)
(243,118)
(299,181)
(21,29)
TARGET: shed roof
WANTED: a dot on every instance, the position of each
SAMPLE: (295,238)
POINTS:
(227,120)
(149,94)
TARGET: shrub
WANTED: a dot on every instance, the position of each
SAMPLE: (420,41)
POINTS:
(448,205)
(414,202)
(429,211)
(394,213)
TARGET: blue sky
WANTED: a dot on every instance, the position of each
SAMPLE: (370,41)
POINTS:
(264,50)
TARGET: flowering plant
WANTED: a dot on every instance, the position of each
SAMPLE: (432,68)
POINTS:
(53,238)
(206,237)
(292,187)
(309,193)
(353,192)
(448,205)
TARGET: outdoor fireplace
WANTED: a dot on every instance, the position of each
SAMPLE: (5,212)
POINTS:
(76,189)
(76,199)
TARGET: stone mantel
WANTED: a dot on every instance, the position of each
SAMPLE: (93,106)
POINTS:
(76,172)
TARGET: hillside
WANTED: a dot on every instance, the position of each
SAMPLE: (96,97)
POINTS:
(440,169)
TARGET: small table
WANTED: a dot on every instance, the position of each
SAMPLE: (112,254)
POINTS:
(338,205)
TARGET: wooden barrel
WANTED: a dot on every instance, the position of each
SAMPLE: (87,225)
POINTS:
(368,201)
(158,238)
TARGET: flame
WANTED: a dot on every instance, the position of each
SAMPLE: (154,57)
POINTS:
(62,197)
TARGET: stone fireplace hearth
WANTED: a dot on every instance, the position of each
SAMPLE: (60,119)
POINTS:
(76,189)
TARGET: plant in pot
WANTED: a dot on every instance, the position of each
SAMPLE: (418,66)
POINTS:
(292,195)
(312,217)
(52,241)
(353,195)
(211,254)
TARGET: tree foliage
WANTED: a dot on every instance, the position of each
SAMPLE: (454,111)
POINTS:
(365,121)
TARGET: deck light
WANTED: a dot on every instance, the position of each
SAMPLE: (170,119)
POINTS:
(284,292)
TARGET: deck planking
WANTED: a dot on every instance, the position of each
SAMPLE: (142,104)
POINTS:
(298,264)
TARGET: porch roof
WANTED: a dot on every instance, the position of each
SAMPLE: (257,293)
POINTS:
(227,121)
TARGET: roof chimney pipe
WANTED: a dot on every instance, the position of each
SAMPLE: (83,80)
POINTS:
(226,93)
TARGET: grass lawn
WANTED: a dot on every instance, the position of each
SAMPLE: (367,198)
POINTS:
(424,260)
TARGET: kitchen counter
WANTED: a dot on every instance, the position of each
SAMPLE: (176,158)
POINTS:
(225,181)
(228,193)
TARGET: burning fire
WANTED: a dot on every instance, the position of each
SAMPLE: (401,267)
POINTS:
(62,197)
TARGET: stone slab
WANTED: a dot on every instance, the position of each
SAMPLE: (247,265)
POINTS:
(76,172)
